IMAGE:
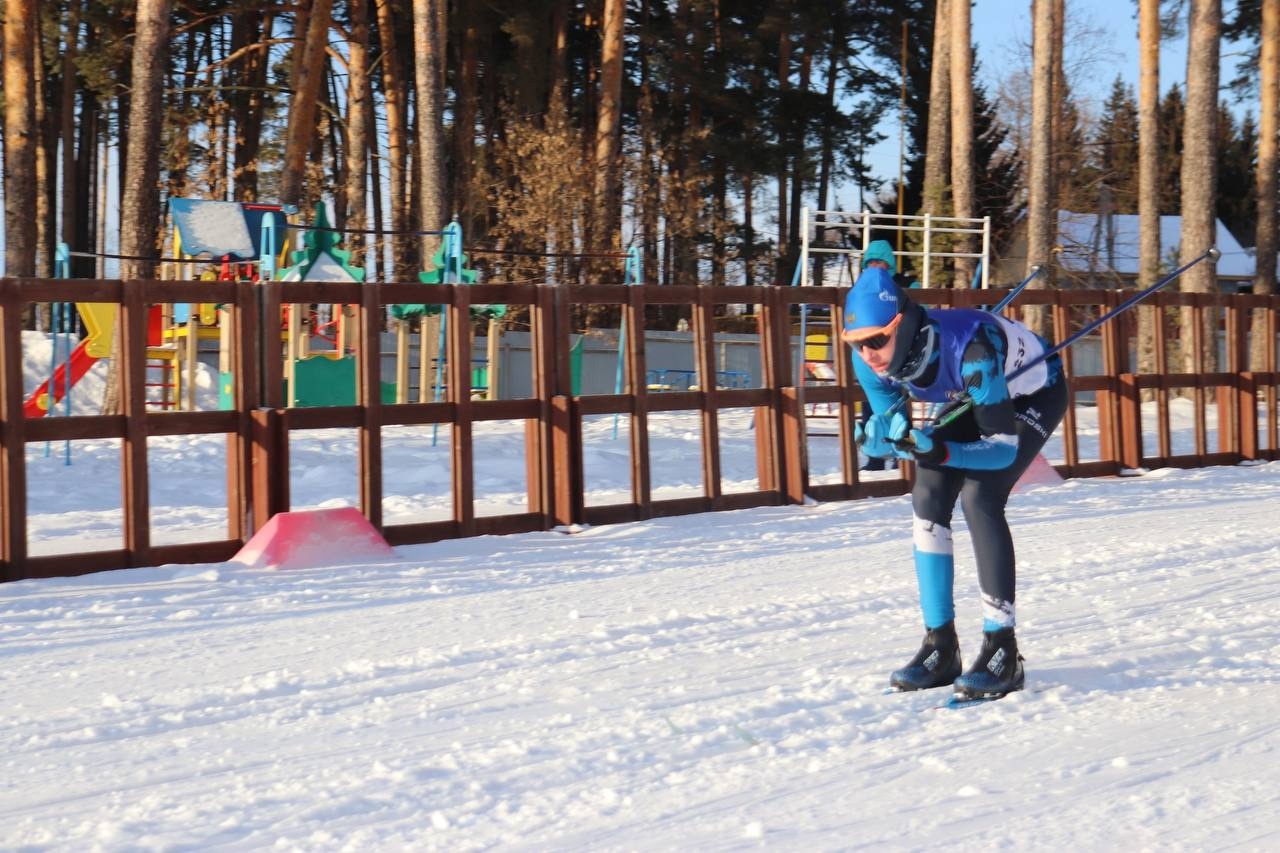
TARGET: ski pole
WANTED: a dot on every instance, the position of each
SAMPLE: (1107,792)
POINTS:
(1013,294)
(963,404)
(996,309)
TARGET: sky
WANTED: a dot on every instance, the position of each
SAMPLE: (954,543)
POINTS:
(1002,36)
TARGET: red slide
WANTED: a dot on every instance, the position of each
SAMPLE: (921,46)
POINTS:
(37,405)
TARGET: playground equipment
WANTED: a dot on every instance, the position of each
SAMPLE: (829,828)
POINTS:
(320,369)
(247,241)
(99,323)
(231,235)
(818,226)
(449,266)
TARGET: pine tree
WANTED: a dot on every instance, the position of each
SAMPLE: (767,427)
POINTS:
(1173,111)
(1115,148)
(1237,199)
(998,188)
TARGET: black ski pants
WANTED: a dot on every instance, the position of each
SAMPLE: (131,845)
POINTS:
(983,494)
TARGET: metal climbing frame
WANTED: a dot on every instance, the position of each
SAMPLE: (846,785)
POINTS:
(813,222)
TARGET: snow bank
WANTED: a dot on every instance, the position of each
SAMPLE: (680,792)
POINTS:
(698,683)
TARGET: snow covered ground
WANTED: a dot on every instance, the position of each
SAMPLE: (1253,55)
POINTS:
(707,682)
(703,683)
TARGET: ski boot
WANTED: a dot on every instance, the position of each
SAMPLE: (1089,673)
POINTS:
(997,671)
(936,664)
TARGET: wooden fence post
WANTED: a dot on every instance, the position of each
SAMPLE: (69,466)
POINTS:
(1114,359)
(566,422)
(1061,329)
(270,465)
(635,374)
(13,471)
(246,389)
(770,429)
(134,481)
(1130,404)
(458,367)
(539,462)
(797,473)
(1238,400)
(369,389)
(704,356)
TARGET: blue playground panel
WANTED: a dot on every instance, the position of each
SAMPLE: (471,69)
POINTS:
(672,379)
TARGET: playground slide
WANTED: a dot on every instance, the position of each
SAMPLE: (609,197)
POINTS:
(38,404)
(99,322)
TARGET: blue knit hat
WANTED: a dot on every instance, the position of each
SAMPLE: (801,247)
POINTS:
(879,250)
(872,304)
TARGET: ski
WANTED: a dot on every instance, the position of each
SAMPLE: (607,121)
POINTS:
(957,700)
(961,700)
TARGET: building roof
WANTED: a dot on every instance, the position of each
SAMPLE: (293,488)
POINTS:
(1111,245)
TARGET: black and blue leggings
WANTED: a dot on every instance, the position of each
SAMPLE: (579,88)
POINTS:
(982,496)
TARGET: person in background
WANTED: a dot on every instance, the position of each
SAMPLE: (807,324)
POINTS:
(937,356)
(878,256)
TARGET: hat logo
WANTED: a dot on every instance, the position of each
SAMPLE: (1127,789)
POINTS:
(886,296)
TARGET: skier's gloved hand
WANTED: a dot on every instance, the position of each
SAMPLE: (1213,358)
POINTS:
(915,444)
(874,438)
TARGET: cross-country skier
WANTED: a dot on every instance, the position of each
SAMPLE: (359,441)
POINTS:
(936,356)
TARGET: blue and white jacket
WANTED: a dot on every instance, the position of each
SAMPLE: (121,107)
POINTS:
(976,350)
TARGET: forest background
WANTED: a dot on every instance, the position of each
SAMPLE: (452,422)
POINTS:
(559,132)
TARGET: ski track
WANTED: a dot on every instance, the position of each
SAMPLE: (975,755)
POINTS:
(712,683)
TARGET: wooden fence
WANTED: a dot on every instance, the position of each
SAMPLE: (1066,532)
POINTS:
(258,426)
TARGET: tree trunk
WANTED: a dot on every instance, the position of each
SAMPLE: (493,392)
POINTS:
(394,88)
(428,44)
(374,264)
(300,132)
(70,48)
(962,133)
(46,177)
(799,160)
(748,230)
(1268,163)
(1040,214)
(358,95)
(102,185)
(937,156)
(1059,169)
(1199,174)
(249,28)
(608,153)
(784,77)
(21,137)
(650,200)
(464,130)
(826,157)
(334,170)
(140,205)
(557,89)
(1148,175)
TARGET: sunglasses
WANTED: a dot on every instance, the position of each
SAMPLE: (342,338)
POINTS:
(875,341)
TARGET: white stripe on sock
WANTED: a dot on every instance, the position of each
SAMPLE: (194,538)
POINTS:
(931,537)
